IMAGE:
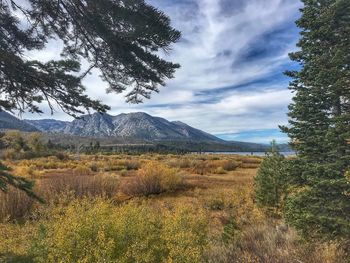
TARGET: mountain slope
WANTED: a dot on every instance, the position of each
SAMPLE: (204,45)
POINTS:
(10,122)
(94,125)
(191,132)
(128,128)
(139,125)
(143,126)
(48,125)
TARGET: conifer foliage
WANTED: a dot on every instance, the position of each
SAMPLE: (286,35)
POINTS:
(319,122)
(121,38)
(7,179)
(270,182)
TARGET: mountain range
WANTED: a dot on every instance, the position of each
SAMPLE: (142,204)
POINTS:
(10,122)
(139,125)
(127,128)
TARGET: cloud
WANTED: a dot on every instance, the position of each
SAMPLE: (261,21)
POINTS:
(232,55)
(204,66)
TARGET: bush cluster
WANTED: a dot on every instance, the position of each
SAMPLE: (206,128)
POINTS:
(214,166)
(153,178)
(96,231)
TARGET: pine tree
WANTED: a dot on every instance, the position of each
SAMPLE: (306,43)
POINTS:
(319,121)
(270,181)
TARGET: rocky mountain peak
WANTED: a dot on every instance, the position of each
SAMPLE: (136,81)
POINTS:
(137,125)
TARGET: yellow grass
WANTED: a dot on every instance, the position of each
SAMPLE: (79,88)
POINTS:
(219,188)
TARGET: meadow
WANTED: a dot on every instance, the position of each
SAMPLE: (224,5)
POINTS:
(147,208)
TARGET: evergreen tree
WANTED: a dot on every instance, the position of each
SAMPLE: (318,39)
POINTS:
(270,181)
(319,121)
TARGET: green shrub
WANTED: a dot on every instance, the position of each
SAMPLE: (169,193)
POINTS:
(96,231)
(270,183)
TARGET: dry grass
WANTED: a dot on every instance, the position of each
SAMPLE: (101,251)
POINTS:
(153,178)
(222,185)
(17,205)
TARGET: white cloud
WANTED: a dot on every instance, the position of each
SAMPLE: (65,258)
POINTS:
(215,35)
(202,68)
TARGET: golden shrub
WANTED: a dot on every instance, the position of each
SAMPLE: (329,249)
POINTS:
(15,242)
(153,178)
(220,170)
(180,163)
(27,171)
(171,180)
(132,165)
(9,154)
(15,204)
(229,165)
(96,231)
(164,228)
(215,202)
(185,234)
(200,167)
(123,172)
(82,170)
(251,162)
(215,165)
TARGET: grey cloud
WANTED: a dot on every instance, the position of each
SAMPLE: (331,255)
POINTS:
(219,49)
(231,7)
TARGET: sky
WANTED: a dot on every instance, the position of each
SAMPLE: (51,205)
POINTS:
(232,53)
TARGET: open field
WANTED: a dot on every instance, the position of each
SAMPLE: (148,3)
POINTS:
(164,208)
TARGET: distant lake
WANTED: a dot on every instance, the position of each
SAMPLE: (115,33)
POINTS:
(248,153)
